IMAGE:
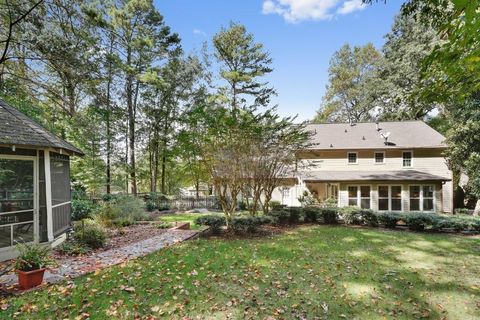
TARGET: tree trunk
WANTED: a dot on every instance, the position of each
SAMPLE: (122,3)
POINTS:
(131,124)
(109,138)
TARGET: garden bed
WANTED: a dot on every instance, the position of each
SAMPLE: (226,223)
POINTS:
(120,237)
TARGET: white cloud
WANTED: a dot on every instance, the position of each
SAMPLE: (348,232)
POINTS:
(350,6)
(199,32)
(298,10)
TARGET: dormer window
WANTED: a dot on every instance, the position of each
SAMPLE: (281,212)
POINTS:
(407,159)
(352,158)
(379,157)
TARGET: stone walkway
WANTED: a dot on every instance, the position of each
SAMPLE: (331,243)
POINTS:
(77,266)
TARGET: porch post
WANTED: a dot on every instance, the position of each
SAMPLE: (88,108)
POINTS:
(48,196)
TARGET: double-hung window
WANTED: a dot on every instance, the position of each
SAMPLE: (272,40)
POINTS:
(352,158)
(359,196)
(379,157)
(407,159)
(390,198)
(422,198)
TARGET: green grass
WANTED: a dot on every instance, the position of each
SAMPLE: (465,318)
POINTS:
(319,271)
(183,217)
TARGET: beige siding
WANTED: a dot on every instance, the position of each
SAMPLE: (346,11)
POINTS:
(424,160)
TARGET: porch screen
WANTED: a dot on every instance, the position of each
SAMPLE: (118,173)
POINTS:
(16,201)
(61,198)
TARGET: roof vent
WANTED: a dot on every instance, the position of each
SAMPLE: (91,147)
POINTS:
(363,138)
(346,131)
(385,137)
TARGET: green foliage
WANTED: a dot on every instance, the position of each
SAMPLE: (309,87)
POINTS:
(163,225)
(31,257)
(214,221)
(462,211)
(73,248)
(389,219)
(90,234)
(295,214)
(249,224)
(82,209)
(311,214)
(274,205)
(280,216)
(120,211)
(329,215)
(419,221)
(355,215)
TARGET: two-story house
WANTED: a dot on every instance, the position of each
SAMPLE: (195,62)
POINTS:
(386,166)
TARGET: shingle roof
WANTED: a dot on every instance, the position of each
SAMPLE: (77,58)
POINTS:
(19,130)
(403,134)
(400,175)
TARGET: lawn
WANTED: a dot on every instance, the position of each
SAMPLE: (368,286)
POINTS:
(182,217)
(309,272)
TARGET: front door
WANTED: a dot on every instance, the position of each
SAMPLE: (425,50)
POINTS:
(17,200)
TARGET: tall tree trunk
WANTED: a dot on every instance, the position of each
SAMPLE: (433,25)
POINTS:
(109,138)
(131,124)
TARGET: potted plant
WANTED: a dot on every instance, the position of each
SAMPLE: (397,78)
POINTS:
(30,264)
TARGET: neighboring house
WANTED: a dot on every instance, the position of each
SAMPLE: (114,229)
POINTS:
(35,198)
(204,190)
(389,166)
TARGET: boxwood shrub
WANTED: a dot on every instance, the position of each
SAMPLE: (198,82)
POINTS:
(248,224)
(389,219)
(214,221)
(329,215)
(82,209)
(419,221)
(311,214)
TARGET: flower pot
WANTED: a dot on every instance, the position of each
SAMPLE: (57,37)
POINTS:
(30,279)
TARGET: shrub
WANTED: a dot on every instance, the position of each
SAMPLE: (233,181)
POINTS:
(329,215)
(163,225)
(31,257)
(294,214)
(419,221)
(274,205)
(311,214)
(214,221)
(150,205)
(90,235)
(355,215)
(281,216)
(82,209)
(462,211)
(120,211)
(249,224)
(389,219)
(73,248)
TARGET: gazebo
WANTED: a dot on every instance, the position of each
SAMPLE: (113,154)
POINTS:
(35,198)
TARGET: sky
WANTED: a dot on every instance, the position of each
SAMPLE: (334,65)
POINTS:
(300,35)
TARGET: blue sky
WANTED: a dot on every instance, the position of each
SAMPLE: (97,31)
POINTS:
(301,36)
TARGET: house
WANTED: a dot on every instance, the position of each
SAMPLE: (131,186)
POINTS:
(35,198)
(386,166)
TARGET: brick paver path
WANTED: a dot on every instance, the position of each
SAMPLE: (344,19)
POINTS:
(77,266)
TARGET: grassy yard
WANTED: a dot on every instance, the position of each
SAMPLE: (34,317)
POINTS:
(319,271)
(183,217)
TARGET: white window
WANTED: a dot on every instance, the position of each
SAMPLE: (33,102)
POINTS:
(379,157)
(352,157)
(422,198)
(407,158)
(390,198)
(359,196)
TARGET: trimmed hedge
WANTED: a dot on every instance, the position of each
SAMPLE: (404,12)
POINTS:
(358,216)
(249,224)
(389,219)
(311,214)
(214,221)
(329,215)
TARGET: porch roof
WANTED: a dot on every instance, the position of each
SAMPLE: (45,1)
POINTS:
(16,129)
(400,175)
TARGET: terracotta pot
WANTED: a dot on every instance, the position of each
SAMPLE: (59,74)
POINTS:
(30,279)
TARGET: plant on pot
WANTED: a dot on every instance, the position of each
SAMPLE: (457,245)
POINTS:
(31,264)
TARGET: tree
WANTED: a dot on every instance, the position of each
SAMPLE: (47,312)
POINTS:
(353,81)
(144,40)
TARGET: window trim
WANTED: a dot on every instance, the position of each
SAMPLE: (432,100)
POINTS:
(359,194)
(375,157)
(356,157)
(411,158)
(390,198)
(421,198)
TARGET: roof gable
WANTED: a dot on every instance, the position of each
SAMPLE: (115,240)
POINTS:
(403,135)
(19,130)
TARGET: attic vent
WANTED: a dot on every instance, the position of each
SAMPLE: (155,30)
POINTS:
(363,138)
